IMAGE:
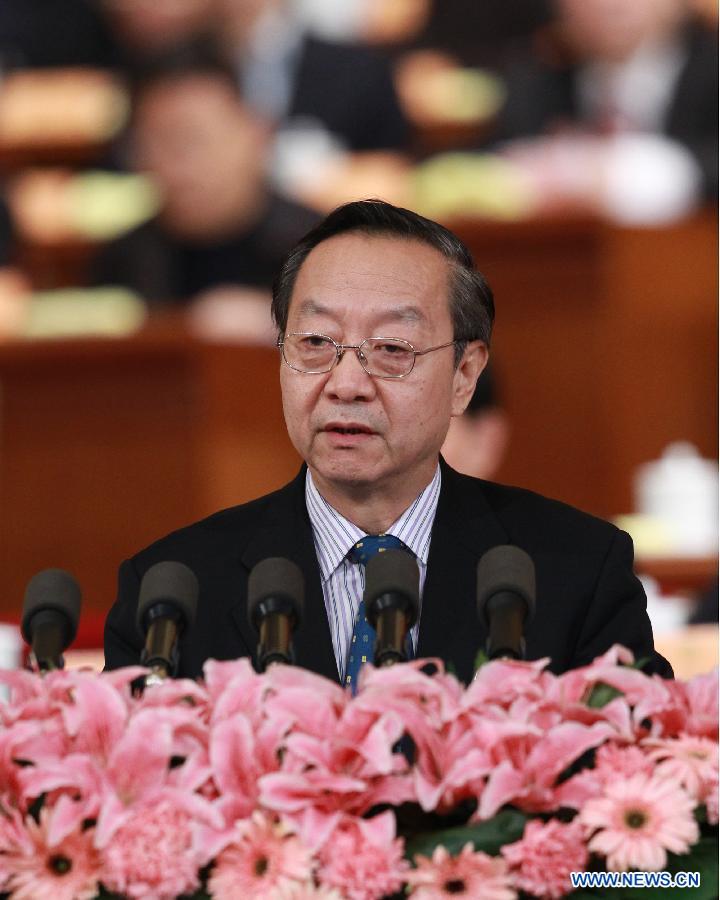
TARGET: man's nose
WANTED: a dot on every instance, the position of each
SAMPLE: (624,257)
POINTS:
(348,380)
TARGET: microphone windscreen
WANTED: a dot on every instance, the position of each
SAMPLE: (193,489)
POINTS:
(505,568)
(278,582)
(171,583)
(52,589)
(393,572)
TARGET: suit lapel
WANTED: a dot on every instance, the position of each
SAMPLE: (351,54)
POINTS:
(285,531)
(464,528)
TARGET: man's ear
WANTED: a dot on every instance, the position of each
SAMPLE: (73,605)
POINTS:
(474,360)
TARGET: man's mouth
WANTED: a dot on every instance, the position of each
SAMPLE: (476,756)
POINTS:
(354,428)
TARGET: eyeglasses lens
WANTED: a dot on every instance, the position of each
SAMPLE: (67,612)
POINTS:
(315,353)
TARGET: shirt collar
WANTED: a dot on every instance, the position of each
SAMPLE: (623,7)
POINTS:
(334,535)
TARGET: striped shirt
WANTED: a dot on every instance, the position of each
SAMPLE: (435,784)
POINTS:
(343,581)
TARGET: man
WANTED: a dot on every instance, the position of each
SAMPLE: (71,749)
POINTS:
(220,225)
(384,329)
(477,441)
(298,79)
(646,70)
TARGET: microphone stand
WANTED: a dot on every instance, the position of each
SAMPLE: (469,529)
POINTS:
(391,627)
(43,657)
(276,629)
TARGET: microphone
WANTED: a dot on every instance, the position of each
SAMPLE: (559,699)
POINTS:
(276,596)
(392,591)
(505,599)
(50,614)
(166,607)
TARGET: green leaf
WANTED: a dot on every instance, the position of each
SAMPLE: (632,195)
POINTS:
(601,694)
(105,894)
(504,828)
(701,814)
(481,659)
(702,859)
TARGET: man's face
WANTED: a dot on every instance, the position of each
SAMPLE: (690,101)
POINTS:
(204,149)
(613,29)
(353,287)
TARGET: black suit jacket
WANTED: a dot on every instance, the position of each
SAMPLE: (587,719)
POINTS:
(165,270)
(587,595)
(350,89)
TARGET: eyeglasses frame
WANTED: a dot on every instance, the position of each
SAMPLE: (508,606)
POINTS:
(341,348)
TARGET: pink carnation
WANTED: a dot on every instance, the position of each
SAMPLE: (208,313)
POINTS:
(153,854)
(638,820)
(306,891)
(37,871)
(363,859)
(545,856)
(711,803)
(263,858)
(469,874)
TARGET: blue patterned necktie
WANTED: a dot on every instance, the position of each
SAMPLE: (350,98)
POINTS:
(362,645)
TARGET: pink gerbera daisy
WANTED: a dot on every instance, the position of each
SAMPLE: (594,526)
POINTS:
(263,858)
(469,874)
(68,871)
(613,761)
(545,856)
(692,761)
(637,820)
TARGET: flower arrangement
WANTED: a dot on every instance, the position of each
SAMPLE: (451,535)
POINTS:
(284,786)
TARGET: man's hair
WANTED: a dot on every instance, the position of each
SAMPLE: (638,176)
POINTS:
(199,58)
(472,307)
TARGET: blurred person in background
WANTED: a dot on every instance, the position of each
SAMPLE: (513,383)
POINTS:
(144,30)
(476,442)
(115,34)
(220,226)
(619,99)
(339,124)
(299,79)
(481,34)
(47,33)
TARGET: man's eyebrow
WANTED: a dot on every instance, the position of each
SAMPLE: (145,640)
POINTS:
(406,312)
(311,307)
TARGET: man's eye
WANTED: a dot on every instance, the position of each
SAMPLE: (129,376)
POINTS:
(312,342)
(393,349)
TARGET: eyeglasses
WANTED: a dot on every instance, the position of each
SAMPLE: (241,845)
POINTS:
(315,354)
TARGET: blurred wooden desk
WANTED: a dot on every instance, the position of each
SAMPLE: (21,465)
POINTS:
(106,445)
(691,651)
(605,346)
(679,574)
